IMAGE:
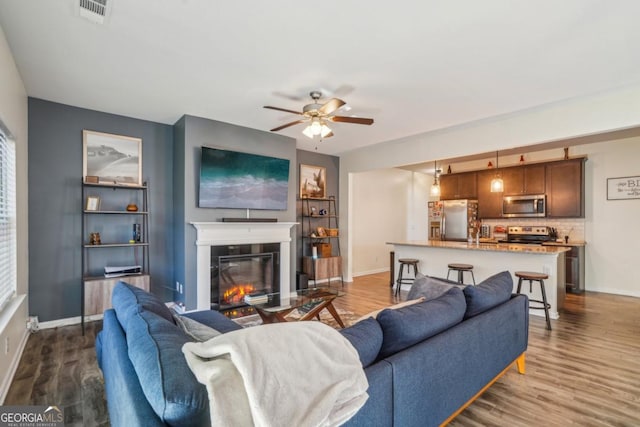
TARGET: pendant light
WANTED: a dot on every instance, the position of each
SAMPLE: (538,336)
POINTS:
(435,187)
(497,185)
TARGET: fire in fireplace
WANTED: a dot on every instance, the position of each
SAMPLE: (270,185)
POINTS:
(240,270)
(235,294)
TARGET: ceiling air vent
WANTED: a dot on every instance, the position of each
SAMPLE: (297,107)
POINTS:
(94,10)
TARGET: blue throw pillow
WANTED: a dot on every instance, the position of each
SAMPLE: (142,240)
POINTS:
(491,292)
(430,287)
(366,337)
(406,326)
(128,300)
(155,351)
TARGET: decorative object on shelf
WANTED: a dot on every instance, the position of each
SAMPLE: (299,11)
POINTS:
(93,203)
(566,153)
(323,211)
(435,187)
(313,182)
(521,161)
(91,179)
(321,232)
(490,165)
(449,169)
(115,159)
(497,185)
(313,210)
(94,238)
(137,235)
(331,232)
(132,207)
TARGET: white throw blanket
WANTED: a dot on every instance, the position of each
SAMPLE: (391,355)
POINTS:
(282,374)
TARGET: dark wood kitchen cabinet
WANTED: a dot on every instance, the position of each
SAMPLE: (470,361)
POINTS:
(489,204)
(565,188)
(458,186)
(529,179)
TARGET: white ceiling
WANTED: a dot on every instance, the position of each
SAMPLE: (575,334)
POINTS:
(414,66)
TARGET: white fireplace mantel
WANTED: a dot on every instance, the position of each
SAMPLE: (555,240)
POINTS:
(239,233)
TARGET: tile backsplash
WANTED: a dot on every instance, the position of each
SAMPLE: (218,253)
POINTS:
(572,227)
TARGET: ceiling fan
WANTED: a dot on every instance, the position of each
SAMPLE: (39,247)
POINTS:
(317,116)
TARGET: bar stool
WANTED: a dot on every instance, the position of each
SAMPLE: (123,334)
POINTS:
(461,268)
(536,277)
(408,262)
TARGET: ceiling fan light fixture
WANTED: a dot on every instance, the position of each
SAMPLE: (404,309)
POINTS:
(308,132)
(324,130)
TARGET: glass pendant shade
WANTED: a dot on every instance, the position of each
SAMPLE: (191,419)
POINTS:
(497,185)
(435,187)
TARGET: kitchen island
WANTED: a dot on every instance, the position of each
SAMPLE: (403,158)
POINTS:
(489,259)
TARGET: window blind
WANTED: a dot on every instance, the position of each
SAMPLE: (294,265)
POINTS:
(8,239)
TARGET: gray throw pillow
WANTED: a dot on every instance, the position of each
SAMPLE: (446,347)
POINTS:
(195,329)
(430,287)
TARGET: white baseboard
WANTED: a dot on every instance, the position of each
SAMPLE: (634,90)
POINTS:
(4,388)
(368,272)
(69,321)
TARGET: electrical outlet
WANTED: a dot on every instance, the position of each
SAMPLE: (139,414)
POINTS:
(181,288)
(546,269)
(33,324)
(177,286)
(6,345)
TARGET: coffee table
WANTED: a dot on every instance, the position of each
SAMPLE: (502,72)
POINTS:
(309,301)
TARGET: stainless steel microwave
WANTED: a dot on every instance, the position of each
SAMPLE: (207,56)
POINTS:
(524,206)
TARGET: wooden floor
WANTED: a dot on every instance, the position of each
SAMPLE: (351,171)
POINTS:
(585,372)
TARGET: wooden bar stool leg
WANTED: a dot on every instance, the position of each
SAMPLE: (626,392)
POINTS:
(399,281)
(546,306)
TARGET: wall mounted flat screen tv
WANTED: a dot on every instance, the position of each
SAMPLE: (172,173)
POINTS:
(231,179)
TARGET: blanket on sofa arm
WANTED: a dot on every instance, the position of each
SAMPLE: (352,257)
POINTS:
(299,373)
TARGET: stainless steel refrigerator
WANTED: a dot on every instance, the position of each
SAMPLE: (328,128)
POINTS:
(458,216)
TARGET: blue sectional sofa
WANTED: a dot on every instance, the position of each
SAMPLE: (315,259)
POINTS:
(424,362)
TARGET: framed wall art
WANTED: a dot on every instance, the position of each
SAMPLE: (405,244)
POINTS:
(114,159)
(313,182)
(623,188)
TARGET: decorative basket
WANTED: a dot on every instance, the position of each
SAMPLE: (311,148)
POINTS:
(332,232)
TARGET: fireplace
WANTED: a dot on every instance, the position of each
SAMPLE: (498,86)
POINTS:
(238,270)
(214,234)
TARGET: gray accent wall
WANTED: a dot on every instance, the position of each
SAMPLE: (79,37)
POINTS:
(192,133)
(55,193)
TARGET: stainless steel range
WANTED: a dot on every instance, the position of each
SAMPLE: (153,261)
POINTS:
(537,234)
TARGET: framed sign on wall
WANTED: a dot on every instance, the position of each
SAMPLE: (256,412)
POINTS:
(623,188)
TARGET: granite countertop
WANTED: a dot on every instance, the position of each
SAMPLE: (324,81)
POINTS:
(569,243)
(490,247)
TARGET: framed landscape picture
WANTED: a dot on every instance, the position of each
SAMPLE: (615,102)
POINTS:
(114,159)
(313,182)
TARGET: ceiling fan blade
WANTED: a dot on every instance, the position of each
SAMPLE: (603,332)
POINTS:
(287,125)
(356,120)
(330,106)
(282,109)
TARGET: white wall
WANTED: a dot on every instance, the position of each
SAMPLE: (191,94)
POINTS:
(13,113)
(380,214)
(387,205)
